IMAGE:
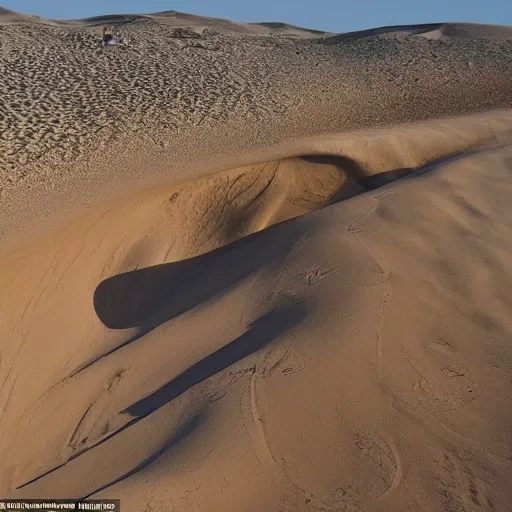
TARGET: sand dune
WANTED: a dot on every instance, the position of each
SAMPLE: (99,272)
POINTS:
(175,19)
(244,269)
(432,31)
(8,16)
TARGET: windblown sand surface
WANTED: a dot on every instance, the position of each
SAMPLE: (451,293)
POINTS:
(256,267)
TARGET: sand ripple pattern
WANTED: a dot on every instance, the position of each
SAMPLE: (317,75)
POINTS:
(64,95)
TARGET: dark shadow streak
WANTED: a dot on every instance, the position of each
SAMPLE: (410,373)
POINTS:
(410,173)
(184,431)
(383,178)
(126,300)
(150,297)
(81,452)
(372,182)
(341,162)
(260,333)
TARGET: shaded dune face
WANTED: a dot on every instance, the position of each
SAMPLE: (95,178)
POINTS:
(216,210)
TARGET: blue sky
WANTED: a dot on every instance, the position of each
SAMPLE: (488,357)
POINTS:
(328,15)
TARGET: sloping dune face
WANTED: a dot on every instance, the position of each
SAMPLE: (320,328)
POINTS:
(252,269)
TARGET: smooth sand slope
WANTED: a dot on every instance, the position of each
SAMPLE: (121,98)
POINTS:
(256,267)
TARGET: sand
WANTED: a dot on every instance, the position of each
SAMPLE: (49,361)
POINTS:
(256,267)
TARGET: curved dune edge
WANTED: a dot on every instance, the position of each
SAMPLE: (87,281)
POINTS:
(433,31)
(366,322)
(106,179)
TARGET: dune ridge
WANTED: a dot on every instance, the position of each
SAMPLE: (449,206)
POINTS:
(346,160)
(433,31)
(256,273)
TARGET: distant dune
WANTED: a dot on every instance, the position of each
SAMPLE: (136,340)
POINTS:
(256,267)
(433,31)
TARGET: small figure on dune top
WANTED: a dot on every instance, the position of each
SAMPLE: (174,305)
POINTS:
(111,37)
